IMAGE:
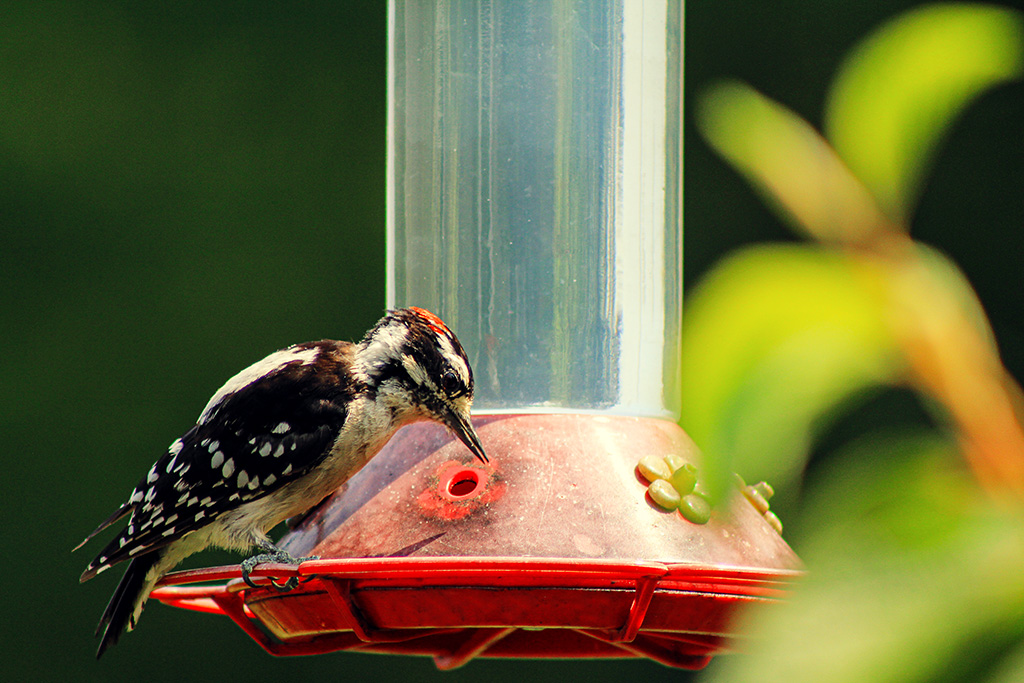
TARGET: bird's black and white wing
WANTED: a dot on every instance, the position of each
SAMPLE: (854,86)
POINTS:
(267,426)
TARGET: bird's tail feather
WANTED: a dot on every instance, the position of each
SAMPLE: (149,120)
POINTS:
(126,603)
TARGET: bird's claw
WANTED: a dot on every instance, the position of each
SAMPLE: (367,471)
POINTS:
(280,557)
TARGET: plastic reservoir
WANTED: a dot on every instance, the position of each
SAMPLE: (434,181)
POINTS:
(534,167)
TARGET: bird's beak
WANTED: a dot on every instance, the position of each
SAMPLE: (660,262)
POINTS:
(463,429)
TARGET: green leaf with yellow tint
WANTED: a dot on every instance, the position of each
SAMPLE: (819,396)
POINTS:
(774,339)
(897,93)
(913,575)
(785,158)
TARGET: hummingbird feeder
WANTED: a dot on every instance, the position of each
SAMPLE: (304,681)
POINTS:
(534,169)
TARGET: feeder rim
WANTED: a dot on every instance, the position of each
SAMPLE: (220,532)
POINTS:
(507,571)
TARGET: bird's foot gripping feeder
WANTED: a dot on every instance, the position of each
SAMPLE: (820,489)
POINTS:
(552,550)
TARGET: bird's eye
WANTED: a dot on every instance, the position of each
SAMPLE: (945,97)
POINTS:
(450,383)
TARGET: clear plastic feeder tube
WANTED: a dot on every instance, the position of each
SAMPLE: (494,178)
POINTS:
(534,201)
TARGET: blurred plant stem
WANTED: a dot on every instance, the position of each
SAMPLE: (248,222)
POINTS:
(952,357)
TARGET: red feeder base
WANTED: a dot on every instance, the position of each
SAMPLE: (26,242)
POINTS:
(455,609)
(434,554)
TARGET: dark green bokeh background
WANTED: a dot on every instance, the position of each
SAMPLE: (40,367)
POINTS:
(184,188)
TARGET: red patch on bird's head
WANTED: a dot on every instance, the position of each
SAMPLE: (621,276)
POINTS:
(435,323)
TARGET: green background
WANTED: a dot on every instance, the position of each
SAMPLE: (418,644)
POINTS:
(184,188)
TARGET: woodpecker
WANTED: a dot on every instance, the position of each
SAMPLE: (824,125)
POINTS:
(274,441)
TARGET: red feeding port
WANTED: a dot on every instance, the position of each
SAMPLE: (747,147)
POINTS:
(461,482)
(552,549)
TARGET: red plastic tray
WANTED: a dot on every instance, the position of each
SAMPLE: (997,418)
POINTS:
(455,609)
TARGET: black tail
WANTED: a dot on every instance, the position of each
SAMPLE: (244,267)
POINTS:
(117,617)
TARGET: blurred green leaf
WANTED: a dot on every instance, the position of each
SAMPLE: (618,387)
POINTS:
(914,575)
(1011,668)
(773,341)
(900,89)
(781,155)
